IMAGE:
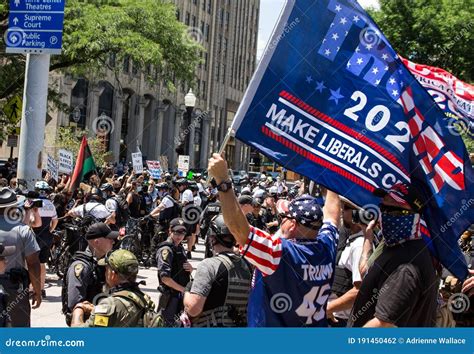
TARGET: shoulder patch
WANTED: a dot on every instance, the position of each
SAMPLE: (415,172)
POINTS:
(78,268)
(165,253)
(101,309)
(101,321)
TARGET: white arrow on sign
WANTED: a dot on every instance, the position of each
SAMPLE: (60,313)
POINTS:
(15,21)
(17,3)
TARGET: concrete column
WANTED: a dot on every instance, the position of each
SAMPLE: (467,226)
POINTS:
(116,134)
(142,103)
(152,120)
(159,115)
(131,141)
(205,131)
(93,109)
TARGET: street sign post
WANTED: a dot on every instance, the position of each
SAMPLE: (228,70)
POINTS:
(35,26)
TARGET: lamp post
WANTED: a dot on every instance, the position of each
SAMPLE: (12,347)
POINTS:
(190,103)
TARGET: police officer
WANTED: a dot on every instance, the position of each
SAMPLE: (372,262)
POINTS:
(212,210)
(84,279)
(16,279)
(173,272)
(167,210)
(125,305)
(218,295)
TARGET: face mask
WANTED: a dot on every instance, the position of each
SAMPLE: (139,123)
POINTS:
(397,229)
(139,189)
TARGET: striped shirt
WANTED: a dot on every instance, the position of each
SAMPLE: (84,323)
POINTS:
(293,278)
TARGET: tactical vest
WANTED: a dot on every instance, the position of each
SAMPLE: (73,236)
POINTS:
(342,276)
(179,258)
(168,214)
(95,287)
(234,311)
(140,306)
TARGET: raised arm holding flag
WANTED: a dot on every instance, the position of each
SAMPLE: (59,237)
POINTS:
(333,101)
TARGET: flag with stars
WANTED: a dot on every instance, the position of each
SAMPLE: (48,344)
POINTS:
(333,101)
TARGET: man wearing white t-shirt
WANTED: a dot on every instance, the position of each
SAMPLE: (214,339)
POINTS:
(347,277)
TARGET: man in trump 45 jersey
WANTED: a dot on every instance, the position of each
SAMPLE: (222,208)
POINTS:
(295,267)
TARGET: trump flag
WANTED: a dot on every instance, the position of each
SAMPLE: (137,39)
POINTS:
(332,101)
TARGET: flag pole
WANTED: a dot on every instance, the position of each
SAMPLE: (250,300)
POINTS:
(222,148)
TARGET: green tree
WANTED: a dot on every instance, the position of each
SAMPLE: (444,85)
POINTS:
(432,32)
(69,139)
(99,35)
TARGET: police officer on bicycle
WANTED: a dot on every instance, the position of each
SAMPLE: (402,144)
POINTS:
(174,272)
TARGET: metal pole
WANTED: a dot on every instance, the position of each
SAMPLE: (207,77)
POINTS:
(33,121)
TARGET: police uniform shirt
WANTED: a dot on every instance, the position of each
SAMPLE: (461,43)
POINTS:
(111,205)
(187,196)
(166,203)
(97,210)
(79,278)
(165,256)
(22,237)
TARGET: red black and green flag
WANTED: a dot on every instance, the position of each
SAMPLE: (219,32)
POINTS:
(84,165)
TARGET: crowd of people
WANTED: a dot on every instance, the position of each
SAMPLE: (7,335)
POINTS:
(277,254)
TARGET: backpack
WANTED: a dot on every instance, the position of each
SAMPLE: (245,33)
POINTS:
(150,318)
(122,214)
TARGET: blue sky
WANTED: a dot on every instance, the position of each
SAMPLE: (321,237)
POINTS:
(269,13)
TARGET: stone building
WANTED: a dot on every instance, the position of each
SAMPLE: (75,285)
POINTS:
(149,117)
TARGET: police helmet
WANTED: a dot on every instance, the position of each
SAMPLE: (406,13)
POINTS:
(162,185)
(95,195)
(193,186)
(42,186)
(180,182)
(106,187)
(219,230)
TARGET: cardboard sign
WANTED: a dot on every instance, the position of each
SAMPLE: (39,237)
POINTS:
(137,162)
(154,167)
(66,162)
(183,165)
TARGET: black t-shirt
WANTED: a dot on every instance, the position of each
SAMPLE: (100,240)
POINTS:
(135,206)
(400,288)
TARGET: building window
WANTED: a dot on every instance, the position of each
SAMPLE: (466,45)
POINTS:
(218,71)
(126,64)
(203,5)
(225,47)
(188,17)
(206,59)
(194,21)
(112,59)
(206,32)
(227,18)
(209,7)
(204,89)
(195,2)
(221,17)
(178,14)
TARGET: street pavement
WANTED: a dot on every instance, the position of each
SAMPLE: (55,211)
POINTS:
(49,314)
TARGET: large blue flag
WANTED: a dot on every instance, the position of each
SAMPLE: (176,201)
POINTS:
(332,101)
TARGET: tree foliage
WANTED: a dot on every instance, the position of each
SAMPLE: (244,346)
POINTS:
(69,139)
(432,32)
(99,35)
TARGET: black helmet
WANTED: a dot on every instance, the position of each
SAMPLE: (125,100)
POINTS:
(106,187)
(180,182)
(193,186)
(221,232)
(95,195)
(162,185)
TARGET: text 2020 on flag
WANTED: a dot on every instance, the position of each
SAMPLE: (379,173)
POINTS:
(332,100)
